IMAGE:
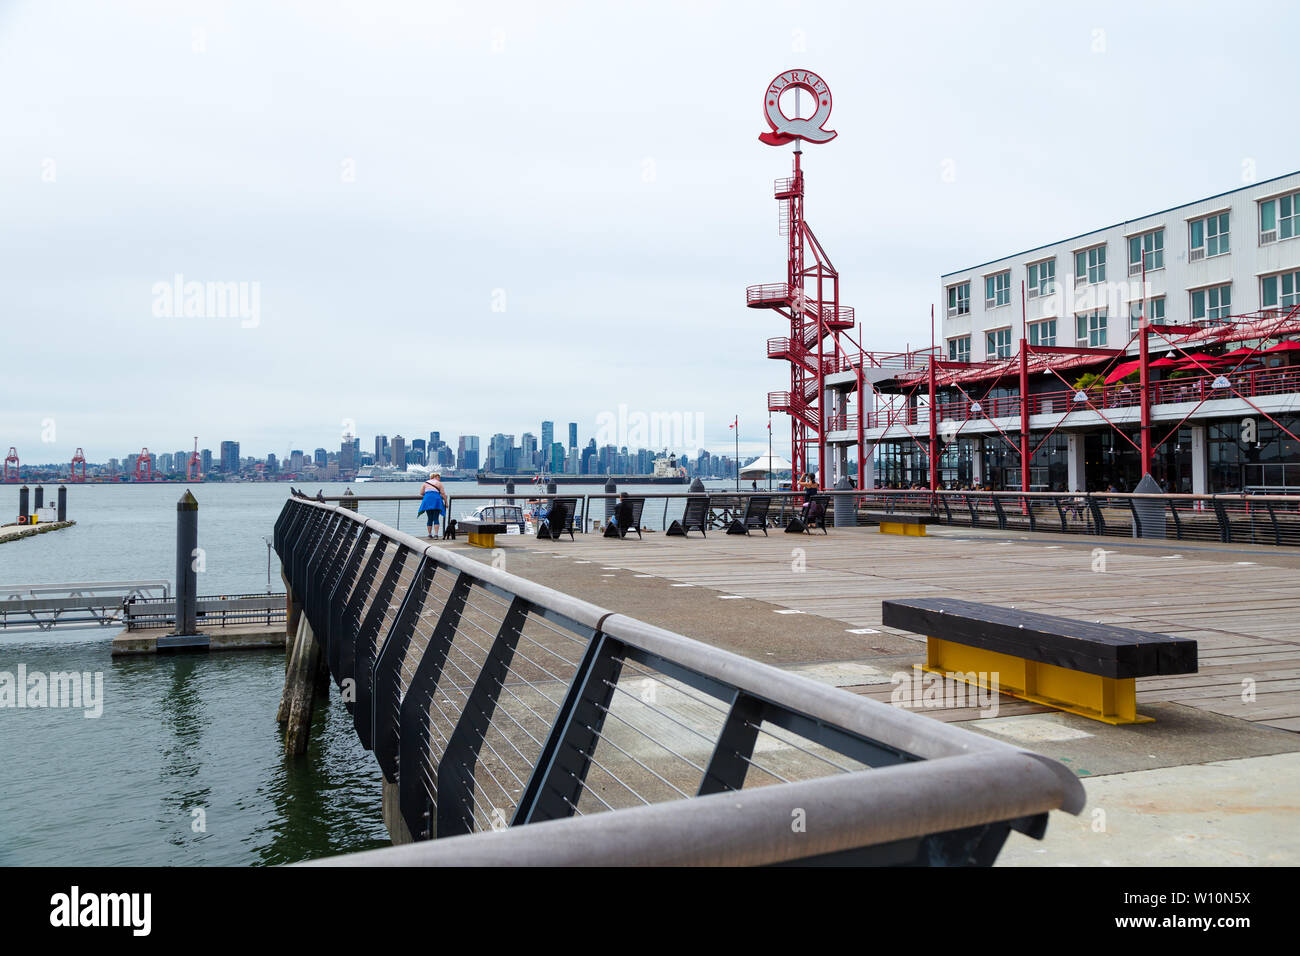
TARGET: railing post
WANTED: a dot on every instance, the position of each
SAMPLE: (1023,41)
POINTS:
(456,769)
(385,696)
(363,654)
(414,762)
(730,760)
(556,783)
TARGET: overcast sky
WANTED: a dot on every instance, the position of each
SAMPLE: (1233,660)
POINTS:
(471,217)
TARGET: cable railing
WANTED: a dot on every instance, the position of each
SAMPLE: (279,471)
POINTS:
(517,724)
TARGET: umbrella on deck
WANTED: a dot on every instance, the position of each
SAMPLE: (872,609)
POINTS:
(1122,370)
(1287,346)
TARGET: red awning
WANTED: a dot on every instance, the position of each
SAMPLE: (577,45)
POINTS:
(1286,346)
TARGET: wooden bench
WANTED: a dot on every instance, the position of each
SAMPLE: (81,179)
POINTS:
(694,517)
(482,534)
(909,524)
(1086,669)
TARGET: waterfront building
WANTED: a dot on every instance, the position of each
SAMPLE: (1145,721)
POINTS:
(205,458)
(1217,283)
(381,449)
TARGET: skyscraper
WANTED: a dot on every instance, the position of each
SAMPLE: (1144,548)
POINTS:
(548,436)
(467,458)
(418,448)
(320,456)
(381,449)
(573,434)
(349,455)
(230,457)
(399,453)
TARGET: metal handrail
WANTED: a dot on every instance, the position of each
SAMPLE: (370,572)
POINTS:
(956,792)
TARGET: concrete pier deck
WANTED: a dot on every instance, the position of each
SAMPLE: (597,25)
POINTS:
(235,637)
(15,532)
(1210,782)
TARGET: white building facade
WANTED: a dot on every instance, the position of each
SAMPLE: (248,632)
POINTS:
(1231,254)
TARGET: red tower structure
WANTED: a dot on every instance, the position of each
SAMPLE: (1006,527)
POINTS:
(12,459)
(78,459)
(144,466)
(809,299)
(194,467)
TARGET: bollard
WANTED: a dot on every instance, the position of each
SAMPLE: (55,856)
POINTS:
(187,541)
(696,485)
(550,487)
(844,505)
(63,503)
(39,503)
(510,490)
(1150,514)
(349,501)
(610,503)
(24,513)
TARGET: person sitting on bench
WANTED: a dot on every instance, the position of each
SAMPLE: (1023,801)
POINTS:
(809,485)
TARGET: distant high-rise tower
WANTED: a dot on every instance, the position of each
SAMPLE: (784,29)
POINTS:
(467,455)
(399,453)
(548,436)
(381,449)
(573,434)
(230,457)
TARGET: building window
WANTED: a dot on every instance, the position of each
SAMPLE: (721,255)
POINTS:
(1214,303)
(1279,218)
(1280,290)
(1042,279)
(1043,333)
(1147,250)
(997,290)
(998,344)
(1209,237)
(1091,328)
(959,299)
(1090,266)
(959,349)
(1155,313)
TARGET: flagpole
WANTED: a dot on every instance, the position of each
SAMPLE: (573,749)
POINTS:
(737,427)
(769,450)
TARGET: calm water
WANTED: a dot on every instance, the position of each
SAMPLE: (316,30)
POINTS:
(185,733)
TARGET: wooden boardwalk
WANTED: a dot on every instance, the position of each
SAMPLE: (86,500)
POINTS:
(1241,604)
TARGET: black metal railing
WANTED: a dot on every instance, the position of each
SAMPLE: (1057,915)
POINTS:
(212,610)
(495,704)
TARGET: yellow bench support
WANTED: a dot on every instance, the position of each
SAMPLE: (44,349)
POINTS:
(898,527)
(1110,700)
(488,540)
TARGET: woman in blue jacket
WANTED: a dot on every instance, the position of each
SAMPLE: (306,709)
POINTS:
(432,502)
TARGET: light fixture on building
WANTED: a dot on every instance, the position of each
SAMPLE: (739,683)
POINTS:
(1221,382)
(976,408)
(1080,396)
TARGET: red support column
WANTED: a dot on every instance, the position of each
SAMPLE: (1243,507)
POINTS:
(862,424)
(1144,386)
(1024,416)
(934,431)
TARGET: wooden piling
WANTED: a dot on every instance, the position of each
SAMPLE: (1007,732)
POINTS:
(299,686)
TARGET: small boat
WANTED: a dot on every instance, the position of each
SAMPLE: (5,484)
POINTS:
(512,516)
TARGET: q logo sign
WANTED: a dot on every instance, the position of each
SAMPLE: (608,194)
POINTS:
(785,129)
